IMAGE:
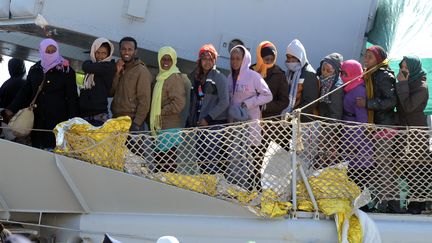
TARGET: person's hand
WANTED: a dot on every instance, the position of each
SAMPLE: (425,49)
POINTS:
(361,102)
(120,65)
(7,115)
(402,75)
(134,127)
(202,122)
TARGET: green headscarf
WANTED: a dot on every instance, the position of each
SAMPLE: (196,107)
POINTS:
(156,104)
(416,72)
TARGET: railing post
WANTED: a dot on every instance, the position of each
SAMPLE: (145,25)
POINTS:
(293,151)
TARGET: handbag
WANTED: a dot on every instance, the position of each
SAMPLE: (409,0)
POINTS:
(22,122)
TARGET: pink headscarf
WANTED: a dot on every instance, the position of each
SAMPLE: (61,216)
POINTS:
(49,61)
(351,69)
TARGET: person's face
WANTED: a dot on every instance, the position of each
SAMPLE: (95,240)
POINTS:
(207,62)
(327,70)
(236,60)
(50,49)
(291,59)
(101,53)
(127,51)
(269,59)
(370,60)
(166,62)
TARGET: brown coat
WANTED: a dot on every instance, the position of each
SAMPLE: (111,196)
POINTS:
(173,101)
(131,90)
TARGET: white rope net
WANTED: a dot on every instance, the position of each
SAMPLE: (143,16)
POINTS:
(251,162)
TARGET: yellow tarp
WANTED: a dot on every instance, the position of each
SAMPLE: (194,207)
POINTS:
(103,145)
(199,183)
(335,193)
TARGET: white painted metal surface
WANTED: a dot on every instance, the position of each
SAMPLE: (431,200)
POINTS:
(323,26)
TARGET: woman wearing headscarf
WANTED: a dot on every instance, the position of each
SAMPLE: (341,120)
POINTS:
(352,73)
(248,92)
(58,99)
(355,140)
(381,102)
(209,107)
(412,93)
(168,102)
(99,73)
(380,88)
(330,106)
(303,85)
(274,76)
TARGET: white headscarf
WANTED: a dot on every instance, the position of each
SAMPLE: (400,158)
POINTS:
(89,77)
(296,49)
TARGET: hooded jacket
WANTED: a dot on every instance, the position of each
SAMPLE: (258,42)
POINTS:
(308,84)
(10,87)
(250,89)
(334,109)
(94,101)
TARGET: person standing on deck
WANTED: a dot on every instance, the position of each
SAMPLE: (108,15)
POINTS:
(58,98)
(303,85)
(99,73)
(248,92)
(330,106)
(275,78)
(168,102)
(11,87)
(381,102)
(209,109)
(412,93)
(131,86)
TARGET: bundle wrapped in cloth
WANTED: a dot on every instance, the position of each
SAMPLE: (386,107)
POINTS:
(104,145)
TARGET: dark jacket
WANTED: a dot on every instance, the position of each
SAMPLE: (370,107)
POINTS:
(384,102)
(308,90)
(412,100)
(10,87)
(277,82)
(335,108)
(216,99)
(95,100)
(57,102)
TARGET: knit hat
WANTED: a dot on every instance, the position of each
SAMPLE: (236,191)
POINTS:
(208,48)
(268,49)
(379,53)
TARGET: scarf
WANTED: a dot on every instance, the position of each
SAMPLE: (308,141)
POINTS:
(326,85)
(351,73)
(415,69)
(49,61)
(261,67)
(89,77)
(369,85)
(156,104)
(293,78)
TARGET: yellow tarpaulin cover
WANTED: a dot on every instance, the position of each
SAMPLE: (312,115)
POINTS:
(335,194)
(103,145)
(199,183)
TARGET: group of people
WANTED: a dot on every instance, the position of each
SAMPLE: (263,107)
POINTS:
(206,97)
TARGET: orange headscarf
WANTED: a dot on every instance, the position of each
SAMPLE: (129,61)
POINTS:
(261,67)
